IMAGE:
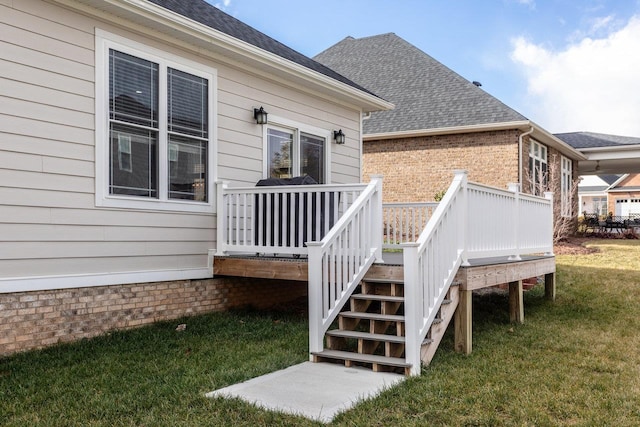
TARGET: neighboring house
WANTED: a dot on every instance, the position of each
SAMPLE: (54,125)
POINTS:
(117,118)
(444,122)
(607,154)
(593,193)
(624,196)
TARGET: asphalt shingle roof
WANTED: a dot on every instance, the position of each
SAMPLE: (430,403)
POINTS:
(594,140)
(426,93)
(204,13)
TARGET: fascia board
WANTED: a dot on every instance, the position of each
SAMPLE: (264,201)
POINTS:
(618,181)
(611,148)
(522,125)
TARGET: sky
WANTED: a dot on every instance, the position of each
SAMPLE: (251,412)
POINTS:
(567,65)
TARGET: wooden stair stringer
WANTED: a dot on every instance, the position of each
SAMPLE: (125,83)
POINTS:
(438,329)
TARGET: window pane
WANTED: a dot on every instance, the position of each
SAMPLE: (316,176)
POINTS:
(133,89)
(133,173)
(312,157)
(187,109)
(187,168)
(280,146)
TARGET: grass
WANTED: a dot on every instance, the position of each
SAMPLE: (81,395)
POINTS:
(575,361)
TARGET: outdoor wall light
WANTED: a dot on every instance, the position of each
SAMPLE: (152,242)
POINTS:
(339,136)
(260,115)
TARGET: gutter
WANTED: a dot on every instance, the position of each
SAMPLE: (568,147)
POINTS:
(520,165)
(446,130)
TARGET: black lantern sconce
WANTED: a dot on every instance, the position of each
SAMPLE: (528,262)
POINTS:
(339,137)
(260,116)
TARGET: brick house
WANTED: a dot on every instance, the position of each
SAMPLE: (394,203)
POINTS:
(117,119)
(443,122)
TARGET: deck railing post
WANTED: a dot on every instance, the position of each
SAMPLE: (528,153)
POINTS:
(412,303)
(549,196)
(315,297)
(222,209)
(376,230)
(461,175)
(517,217)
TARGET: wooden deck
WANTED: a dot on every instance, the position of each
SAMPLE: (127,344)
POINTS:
(482,273)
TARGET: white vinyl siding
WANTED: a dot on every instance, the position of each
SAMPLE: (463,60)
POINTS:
(52,234)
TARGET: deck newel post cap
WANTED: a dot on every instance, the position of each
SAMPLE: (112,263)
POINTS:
(548,195)
(514,186)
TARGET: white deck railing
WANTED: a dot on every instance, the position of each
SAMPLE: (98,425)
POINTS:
(340,260)
(341,228)
(279,220)
(471,221)
(507,222)
(403,222)
(430,264)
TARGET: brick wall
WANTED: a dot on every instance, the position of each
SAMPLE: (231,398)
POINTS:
(415,169)
(30,320)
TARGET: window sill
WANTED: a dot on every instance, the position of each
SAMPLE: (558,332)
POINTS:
(155,205)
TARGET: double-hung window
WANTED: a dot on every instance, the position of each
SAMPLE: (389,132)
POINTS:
(538,168)
(154,137)
(296,151)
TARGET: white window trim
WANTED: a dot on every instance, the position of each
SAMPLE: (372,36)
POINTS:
(296,127)
(544,160)
(106,41)
(566,177)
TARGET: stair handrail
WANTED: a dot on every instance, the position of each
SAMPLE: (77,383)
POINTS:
(430,266)
(340,260)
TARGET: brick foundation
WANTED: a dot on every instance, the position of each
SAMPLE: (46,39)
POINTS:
(30,320)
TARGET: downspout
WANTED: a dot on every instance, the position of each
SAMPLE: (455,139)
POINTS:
(520,166)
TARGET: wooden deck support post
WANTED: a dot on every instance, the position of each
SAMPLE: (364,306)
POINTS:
(550,286)
(462,323)
(516,304)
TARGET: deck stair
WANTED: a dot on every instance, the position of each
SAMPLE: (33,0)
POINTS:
(370,331)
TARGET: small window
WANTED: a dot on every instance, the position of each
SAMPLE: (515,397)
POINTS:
(124,152)
(538,171)
(566,184)
(296,151)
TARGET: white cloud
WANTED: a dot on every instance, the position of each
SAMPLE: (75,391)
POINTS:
(530,3)
(223,5)
(590,85)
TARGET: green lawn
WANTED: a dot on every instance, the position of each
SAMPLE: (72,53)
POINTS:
(575,361)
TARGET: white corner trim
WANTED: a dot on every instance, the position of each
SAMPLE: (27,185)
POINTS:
(42,283)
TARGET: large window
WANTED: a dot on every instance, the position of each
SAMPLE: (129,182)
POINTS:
(538,168)
(566,184)
(294,152)
(157,129)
